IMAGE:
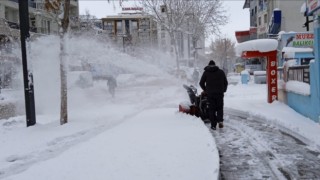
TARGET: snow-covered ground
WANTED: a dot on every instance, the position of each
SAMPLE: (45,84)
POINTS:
(137,135)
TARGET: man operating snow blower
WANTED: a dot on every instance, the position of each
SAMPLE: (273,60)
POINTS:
(214,84)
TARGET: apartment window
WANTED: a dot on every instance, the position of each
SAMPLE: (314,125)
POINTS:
(259,21)
(45,26)
(163,8)
(134,26)
(265,19)
(145,24)
(260,5)
(109,26)
(119,27)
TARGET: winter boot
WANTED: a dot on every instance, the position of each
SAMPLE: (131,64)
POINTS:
(220,124)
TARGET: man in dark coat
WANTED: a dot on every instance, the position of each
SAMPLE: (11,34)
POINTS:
(214,83)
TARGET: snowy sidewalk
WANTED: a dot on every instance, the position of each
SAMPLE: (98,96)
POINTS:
(137,135)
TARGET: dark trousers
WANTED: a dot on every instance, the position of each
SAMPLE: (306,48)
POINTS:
(215,108)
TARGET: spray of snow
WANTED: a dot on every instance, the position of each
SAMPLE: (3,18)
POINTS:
(104,59)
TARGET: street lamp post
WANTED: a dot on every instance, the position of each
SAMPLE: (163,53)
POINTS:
(27,77)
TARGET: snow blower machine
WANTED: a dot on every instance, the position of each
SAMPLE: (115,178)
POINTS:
(198,105)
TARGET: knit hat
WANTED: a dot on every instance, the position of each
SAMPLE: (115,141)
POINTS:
(211,62)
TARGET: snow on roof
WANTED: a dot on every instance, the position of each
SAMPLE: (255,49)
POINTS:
(289,52)
(259,73)
(261,45)
(245,72)
(298,87)
(293,49)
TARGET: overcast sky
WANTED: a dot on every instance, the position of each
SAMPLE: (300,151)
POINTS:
(238,17)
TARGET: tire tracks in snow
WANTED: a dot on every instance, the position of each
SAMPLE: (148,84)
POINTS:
(253,148)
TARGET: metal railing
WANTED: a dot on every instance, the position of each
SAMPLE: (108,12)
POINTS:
(299,73)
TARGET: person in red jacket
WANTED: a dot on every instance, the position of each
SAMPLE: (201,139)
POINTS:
(214,83)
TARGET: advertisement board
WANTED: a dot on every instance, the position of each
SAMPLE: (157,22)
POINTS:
(297,40)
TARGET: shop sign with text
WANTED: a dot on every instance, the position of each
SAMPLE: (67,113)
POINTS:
(297,40)
(303,40)
(132,9)
(272,79)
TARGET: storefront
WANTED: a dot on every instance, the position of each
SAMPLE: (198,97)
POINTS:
(295,45)
(308,104)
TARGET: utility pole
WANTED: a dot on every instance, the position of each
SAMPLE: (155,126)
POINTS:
(27,77)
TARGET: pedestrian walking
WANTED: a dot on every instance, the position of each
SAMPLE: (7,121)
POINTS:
(214,84)
(112,84)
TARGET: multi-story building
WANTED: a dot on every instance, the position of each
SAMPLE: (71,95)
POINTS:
(128,29)
(41,21)
(272,16)
(189,49)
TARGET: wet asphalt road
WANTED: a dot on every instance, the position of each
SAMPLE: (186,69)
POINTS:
(253,148)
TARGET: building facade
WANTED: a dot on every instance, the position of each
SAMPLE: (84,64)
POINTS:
(131,29)
(272,16)
(41,21)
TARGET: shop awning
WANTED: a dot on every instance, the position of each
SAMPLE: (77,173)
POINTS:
(242,36)
(246,4)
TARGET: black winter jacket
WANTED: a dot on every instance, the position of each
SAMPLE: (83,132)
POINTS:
(213,80)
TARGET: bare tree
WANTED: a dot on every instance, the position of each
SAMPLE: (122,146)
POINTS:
(170,15)
(207,17)
(60,9)
(195,17)
(87,21)
(223,52)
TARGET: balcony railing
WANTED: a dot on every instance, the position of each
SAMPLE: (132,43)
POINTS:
(31,4)
(299,73)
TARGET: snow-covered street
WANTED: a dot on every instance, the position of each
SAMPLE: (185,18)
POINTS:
(251,147)
(139,134)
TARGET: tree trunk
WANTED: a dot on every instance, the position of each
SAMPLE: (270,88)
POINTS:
(63,66)
(63,82)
